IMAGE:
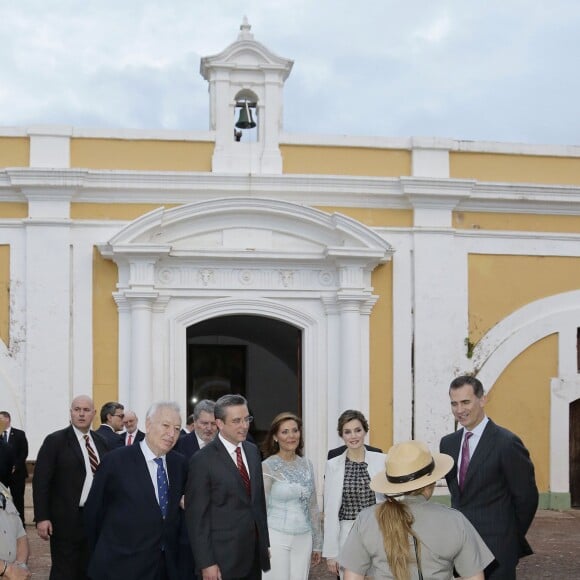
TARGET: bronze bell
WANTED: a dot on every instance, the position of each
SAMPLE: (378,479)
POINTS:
(245,120)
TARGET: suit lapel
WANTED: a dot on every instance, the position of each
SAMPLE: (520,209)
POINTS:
(231,466)
(483,449)
(254,467)
(174,478)
(74,445)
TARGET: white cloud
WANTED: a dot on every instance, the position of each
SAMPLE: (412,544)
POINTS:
(475,70)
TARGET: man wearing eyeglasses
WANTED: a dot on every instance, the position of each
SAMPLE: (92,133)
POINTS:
(112,415)
(224,500)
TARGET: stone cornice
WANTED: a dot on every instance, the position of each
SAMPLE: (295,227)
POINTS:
(81,185)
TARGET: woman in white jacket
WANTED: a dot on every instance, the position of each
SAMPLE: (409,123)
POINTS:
(347,485)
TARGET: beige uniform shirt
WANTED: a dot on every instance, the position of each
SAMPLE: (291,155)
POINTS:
(447,539)
(11,528)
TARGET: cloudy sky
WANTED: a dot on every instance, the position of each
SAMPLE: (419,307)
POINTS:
(501,70)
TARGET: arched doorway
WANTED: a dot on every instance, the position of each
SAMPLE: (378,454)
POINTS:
(575,453)
(256,356)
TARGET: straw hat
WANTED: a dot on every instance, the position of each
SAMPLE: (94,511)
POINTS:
(410,466)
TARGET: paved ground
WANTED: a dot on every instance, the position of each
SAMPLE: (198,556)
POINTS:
(555,537)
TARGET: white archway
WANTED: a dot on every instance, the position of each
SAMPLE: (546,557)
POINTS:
(558,314)
(248,256)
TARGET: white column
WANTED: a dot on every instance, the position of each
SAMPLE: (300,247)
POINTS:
(124,310)
(350,355)
(141,383)
(48,368)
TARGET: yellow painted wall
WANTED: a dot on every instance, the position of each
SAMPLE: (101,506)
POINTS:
(373,217)
(515,168)
(13,209)
(105,331)
(381,359)
(516,222)
(5,294)
(14,151)
(520,401)
(112,211)
(358,161)
(144,155)
(499,285)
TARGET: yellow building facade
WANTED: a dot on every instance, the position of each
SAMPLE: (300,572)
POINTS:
(327,272)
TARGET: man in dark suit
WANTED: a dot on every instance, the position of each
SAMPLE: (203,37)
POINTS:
(16,439)
(493,482)
(225,502)
(204,429)
(132,433)
(63,476)
(6,457)
(133,511)
(112,415)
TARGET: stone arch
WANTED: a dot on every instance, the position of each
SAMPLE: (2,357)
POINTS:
(558,314)
(248,255)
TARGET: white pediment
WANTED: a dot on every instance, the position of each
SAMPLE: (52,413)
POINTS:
(256,227)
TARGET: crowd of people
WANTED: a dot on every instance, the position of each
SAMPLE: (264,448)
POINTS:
(204,502)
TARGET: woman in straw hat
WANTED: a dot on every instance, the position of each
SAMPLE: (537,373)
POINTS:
(410,537)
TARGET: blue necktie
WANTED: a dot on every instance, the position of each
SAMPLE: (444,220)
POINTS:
(162,487)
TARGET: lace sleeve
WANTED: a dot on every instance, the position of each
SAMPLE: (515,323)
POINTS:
(314,512)
(268,479)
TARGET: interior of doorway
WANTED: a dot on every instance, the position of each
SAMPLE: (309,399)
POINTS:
(255,356)
(575,453)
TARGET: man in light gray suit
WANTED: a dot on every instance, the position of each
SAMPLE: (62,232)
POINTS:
(493,482)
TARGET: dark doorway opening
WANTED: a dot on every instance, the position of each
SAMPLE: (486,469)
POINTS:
(575,453)
(255,356)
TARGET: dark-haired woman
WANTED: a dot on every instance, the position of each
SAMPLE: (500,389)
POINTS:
(293,516)
(347,484)
(412,537)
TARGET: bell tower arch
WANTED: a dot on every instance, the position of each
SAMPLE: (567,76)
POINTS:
(246,71)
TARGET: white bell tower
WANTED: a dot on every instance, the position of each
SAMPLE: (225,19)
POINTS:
(246,72)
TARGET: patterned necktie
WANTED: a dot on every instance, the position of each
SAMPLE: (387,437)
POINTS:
(162,487)
(130,439)
(464,459)
(242,469)
(93,459)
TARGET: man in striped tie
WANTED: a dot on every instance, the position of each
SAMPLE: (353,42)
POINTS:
(63,475)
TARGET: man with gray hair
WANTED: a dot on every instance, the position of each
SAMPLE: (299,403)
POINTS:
(204,429)
(133,512)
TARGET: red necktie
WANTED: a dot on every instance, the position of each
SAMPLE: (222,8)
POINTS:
(242,469)
(464,460)
(93,459)
(130,439)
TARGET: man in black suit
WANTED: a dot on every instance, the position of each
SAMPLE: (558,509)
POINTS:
(225,502)
(63,476)
(6,457)
(204,429)
(133,511)
(16,439)
(112,415)
(132,433)
(493,482)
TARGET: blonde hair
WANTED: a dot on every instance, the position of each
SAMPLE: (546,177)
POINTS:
(396,524)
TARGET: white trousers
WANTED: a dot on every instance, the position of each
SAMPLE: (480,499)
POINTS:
(345,527)
(290,556)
